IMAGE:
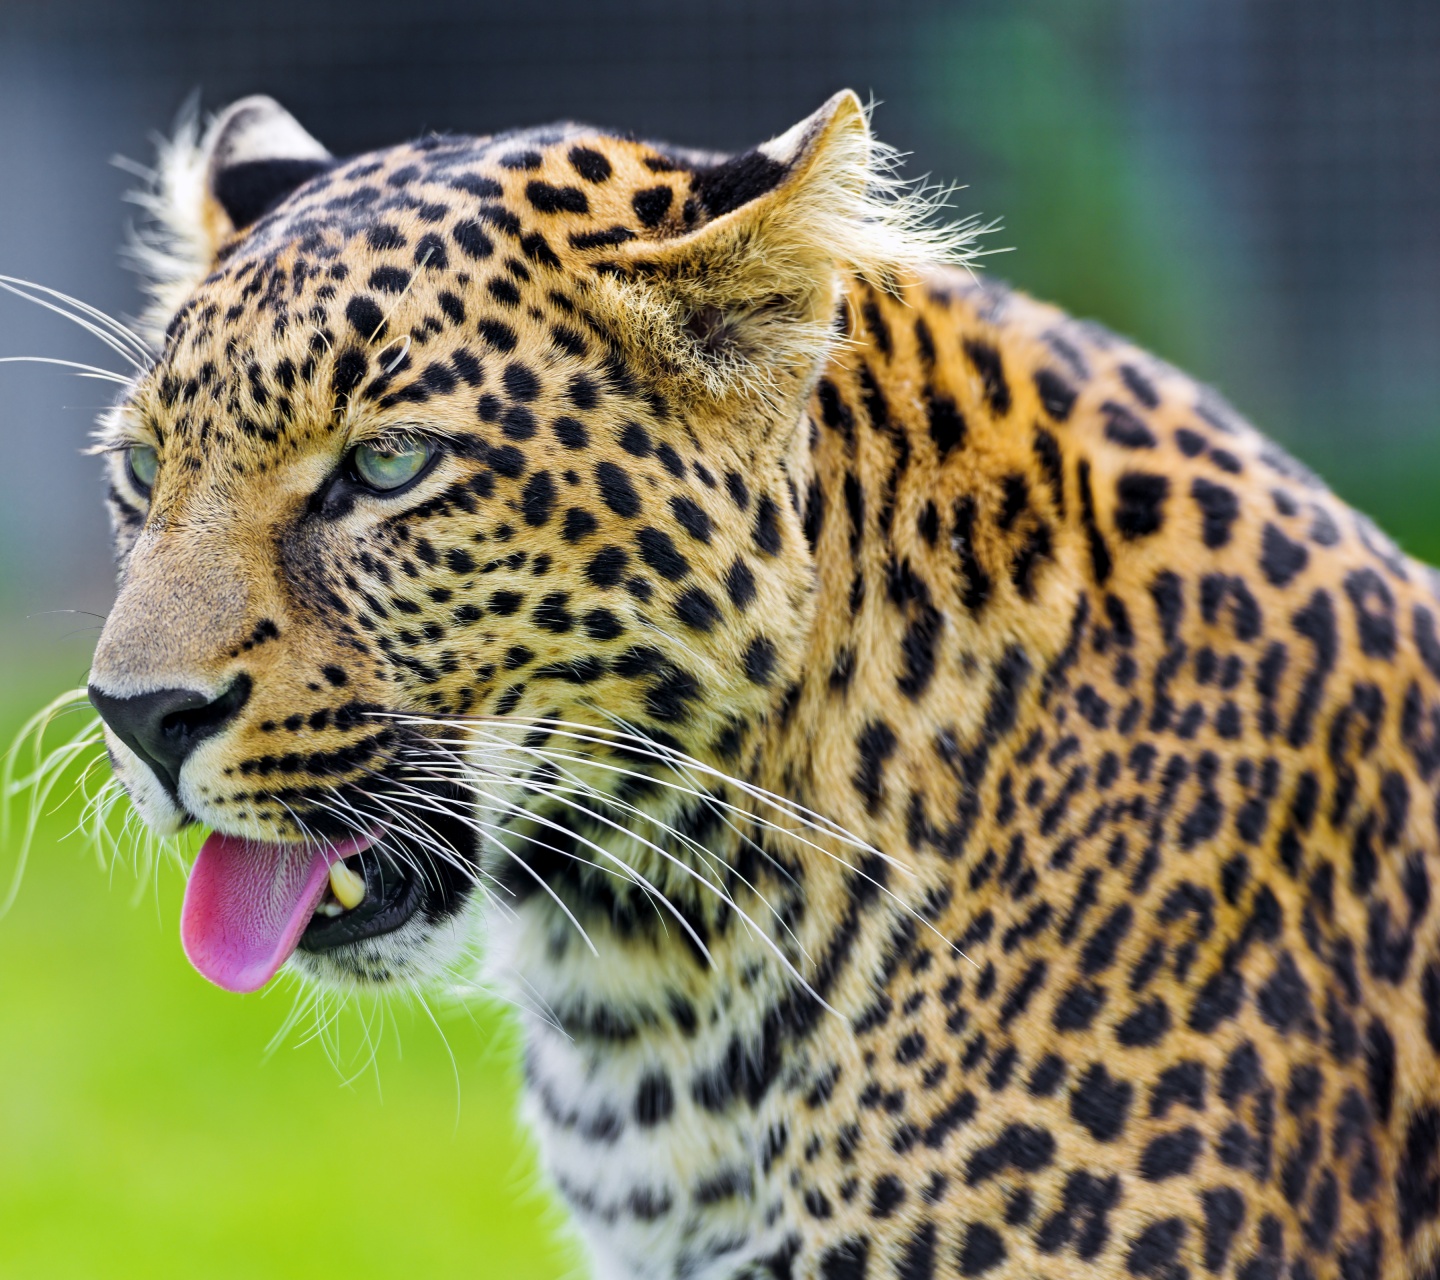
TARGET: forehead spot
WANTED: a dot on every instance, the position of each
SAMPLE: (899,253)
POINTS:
(545,197)
(635,440)
(517,422)
(389,279)
(571,433)
(499,335)
(520,381)
(583,393)
(521,160)
(590,164)
(537,249)
(365,316)
(430,252)
(652,204)
(503,291)
(385,235)
(617,491)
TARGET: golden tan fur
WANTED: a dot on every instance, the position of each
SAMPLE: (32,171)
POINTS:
(1001,785)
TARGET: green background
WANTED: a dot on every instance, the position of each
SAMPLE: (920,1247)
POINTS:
(144,1130)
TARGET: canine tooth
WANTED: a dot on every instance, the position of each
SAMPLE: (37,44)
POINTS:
(348,888)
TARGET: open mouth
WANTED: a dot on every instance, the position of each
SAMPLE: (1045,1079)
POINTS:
(366,894)
(249,904)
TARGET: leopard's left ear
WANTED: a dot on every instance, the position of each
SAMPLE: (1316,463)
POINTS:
(745,304)
(210,186)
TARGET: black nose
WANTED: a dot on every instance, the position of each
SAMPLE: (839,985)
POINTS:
(164,727)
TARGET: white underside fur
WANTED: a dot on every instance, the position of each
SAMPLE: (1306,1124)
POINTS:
(572,1086)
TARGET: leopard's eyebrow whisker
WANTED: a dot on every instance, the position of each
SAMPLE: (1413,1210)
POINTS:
(121,330)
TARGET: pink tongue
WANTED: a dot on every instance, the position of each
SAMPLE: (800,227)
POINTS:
(247,903)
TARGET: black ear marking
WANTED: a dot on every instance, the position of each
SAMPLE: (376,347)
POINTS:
(249,190)
(258,154)
(737,181)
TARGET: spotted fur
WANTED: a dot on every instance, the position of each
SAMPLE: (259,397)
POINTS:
(1109,949)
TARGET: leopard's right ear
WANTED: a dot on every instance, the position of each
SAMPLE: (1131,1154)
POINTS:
(209,187)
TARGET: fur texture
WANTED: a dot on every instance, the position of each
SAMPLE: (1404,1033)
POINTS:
(949,796)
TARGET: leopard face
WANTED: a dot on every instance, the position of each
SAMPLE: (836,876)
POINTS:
(456,447)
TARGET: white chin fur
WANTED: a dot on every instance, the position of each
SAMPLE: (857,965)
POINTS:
(417,954)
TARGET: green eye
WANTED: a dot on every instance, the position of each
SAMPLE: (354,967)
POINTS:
(386,467)
(143,463)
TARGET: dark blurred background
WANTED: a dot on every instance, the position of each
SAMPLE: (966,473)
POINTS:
(1251,188)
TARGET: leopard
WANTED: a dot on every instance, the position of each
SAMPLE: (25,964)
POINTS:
(943,794)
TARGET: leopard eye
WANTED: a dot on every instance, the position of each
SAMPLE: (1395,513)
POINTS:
(384,468)
(143,464)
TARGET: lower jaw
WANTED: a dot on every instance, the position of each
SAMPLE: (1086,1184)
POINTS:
(403,880)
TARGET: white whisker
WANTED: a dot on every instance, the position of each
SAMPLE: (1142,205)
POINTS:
(122,331)
(683,766)
(86,370)
(667,856)
(121,345)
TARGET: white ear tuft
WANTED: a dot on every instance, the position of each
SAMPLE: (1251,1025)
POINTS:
(258,128)
(878,225)
(745,304)
(171,250)
(206,188)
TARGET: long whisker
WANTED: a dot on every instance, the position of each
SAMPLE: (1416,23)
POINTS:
(362,824)
(682,765)
(492,833)
(706,796)
(86,370)
(565,796)
(825,825)
(630,871)
(708,859)
(710,798)
(445,1040)
(122,331)
(646,746)
(665,854)
(116,344)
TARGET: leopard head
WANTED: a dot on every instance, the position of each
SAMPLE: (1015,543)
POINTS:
(460,502)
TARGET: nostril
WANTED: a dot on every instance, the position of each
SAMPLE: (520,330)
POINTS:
(163,727)
(189,724)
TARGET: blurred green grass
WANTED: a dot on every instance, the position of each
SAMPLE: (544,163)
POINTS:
(143,1131)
